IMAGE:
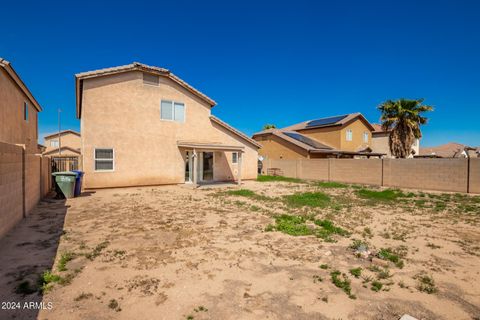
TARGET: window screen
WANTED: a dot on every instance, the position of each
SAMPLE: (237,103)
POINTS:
(179,112)
(104,159)
(234,157)
(349,135)
(166,110)
(365,136)
(151,79)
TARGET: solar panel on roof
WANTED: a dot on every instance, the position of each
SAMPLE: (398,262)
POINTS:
(306,140)
(325,121)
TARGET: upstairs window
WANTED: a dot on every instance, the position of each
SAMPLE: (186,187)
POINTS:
(365,137)
(174,111)
(54,143)
(234,157)
(104,159)
(151,79)
(25,111)
(349,136)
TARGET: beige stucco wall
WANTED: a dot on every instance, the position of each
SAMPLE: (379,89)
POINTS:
(123,113)
(358,128)
(13,128)
(475,175)
(365,171)
(380,144)
(67,139)
(329,135)
(276,148)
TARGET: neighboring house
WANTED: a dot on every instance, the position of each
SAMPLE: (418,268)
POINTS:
(449,150)
(68,146)
(380,142)
(18,110)
(345,136)
(142,125)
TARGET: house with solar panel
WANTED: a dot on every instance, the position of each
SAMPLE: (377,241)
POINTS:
(345,136)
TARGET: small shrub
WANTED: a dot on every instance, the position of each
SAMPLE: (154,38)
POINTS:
(292,225)
(341,281)
(356,272)
(113,304)
(47,279)
(64,259)
(376,286)
(358,244)
(387,254)
(324,266)
(425,283)
(97,250)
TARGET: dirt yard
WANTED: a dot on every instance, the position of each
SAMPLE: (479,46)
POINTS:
(270,250)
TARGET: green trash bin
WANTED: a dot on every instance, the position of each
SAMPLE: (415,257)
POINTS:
(66,182)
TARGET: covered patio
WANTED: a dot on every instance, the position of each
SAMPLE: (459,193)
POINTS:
(201,165)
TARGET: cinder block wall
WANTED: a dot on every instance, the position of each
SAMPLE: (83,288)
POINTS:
(425,174)
(314,169)
(475,175)
(11,194)
(367,171)
(428,174)
(24,179)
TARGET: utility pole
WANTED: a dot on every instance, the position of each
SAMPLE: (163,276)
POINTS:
(59,143)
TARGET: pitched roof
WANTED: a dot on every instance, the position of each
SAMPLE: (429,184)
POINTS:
(448,150)
(54,151)
(235,131)
(53,135)
(16,78)
(338,121)
(79,77)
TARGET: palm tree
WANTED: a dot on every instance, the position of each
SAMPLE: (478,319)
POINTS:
(403,118)
(269,126)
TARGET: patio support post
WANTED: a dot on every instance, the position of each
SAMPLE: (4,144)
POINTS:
(239,179)
(194,169)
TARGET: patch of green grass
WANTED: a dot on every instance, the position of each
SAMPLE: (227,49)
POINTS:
(292,225)
(376,286)
(64,259)
(247,193)
(327,229)
(266,178)
(309,199)
(425,283)
(382,196)
(331,185)
(356,272)
(47,279)
(324,266)
(388,254)
(340,280)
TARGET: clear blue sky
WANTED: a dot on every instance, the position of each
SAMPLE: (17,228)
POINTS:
(277,62)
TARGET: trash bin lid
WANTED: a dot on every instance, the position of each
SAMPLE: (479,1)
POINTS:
(65,173)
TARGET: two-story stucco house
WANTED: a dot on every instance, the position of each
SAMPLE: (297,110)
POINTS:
(142,125)
(18,110)
(344,136)
(380,142)
(66,143)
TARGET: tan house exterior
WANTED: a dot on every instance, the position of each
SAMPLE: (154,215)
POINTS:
(18,111)
(380,142)
(69,144)
(345,136)
(142,125)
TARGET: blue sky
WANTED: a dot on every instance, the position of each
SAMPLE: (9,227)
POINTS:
(277,62)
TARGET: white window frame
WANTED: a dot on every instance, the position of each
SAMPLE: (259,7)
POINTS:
(365,137)
(173,111)
(54,143)
(236,160)
(349,135)
(103,159)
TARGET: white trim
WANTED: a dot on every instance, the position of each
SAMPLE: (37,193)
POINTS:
(103,159)
(173,111)
(351,135)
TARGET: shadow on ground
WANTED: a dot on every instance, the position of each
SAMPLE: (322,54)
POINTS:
(26,252)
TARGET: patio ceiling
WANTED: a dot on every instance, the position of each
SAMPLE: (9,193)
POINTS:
(208,146)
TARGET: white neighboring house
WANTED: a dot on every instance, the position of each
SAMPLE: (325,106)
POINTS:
(380,142)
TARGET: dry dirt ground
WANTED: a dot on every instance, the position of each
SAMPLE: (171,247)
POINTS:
(172,252)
